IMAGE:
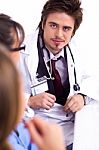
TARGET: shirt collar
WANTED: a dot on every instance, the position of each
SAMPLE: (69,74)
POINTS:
(61,54)
(46,57)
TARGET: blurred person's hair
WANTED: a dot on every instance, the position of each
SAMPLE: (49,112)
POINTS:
(7,26)
(10,107)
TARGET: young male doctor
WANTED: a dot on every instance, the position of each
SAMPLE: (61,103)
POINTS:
(53,41)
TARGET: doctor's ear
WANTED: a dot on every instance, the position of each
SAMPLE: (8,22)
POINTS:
(42,25)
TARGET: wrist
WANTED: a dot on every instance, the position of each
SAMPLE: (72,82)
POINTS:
(84,97)
(31,102)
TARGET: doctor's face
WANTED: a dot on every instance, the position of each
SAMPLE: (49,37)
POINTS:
(58,30)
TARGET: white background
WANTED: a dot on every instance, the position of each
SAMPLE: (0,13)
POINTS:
(28,13)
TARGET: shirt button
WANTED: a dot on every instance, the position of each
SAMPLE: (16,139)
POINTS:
(71,65)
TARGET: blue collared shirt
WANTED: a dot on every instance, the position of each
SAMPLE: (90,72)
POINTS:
(20,139)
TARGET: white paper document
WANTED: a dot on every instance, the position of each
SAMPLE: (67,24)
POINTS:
(86,132)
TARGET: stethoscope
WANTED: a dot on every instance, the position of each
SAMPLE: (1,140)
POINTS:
(76,86)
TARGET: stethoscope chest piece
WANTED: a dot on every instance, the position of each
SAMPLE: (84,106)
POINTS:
(76,87)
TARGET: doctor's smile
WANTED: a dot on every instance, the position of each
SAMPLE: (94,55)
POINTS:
(57,42)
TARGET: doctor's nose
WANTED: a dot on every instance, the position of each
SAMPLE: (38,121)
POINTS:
(59,33)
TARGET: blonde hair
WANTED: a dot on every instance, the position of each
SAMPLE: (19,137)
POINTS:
(9,98)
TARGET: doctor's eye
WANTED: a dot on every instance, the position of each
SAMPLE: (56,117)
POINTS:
(66,28)
(53,25)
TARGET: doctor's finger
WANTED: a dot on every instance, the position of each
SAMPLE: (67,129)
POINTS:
(49,103)
(51,100)
(51,96)
(68,104)
(74,108)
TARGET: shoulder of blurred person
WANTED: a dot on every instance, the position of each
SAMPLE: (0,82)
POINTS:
(20,138)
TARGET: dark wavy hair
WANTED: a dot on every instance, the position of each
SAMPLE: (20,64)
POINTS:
(7,26)
(70,7)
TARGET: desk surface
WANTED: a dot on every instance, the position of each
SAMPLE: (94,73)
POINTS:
(86,132)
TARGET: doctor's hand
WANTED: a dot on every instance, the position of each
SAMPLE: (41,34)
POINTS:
(42,100)
(46,136)
(74,103)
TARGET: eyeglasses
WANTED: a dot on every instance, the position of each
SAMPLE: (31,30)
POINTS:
(19,48)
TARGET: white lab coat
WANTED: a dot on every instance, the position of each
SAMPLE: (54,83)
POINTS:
(87,82)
